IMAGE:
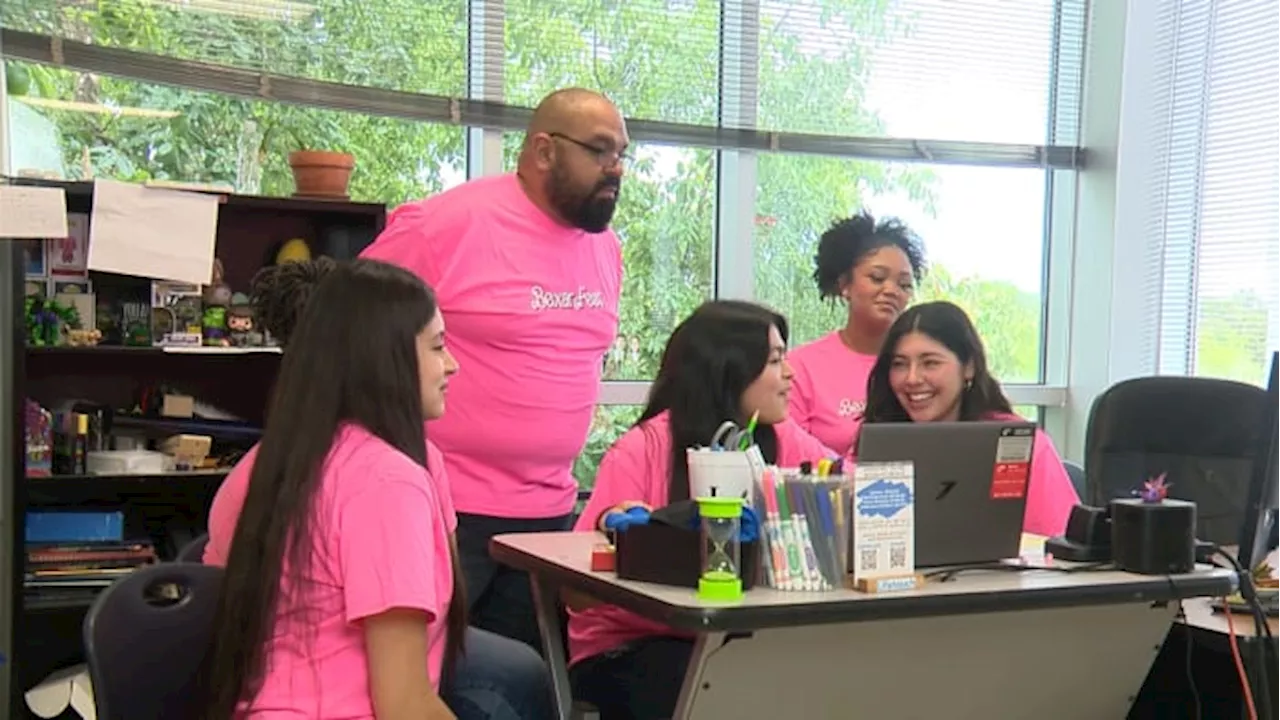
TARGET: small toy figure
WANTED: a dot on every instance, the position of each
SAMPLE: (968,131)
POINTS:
(1154,491)
(241,326)
(214,326)
(217,293)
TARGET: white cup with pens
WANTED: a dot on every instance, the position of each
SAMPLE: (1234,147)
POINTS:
(730,466)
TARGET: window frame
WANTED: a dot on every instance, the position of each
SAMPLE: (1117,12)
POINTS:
(736,193)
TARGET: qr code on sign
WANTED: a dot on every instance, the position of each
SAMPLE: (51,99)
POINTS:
(869,559)
(898,556)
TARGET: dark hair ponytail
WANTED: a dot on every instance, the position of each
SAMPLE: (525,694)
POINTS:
(352,359)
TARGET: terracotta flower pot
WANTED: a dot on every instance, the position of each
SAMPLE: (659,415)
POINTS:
(321,173)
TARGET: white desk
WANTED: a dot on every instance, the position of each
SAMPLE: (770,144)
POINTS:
(987,644)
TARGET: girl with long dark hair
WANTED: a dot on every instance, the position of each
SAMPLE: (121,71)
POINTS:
(933,368)
(342,596)
(727,361)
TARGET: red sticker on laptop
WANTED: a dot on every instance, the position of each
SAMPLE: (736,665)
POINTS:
(1013,463)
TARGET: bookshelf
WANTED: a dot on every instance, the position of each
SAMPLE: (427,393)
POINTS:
(40,631)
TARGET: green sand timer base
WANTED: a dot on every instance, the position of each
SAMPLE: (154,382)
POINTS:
(721,576)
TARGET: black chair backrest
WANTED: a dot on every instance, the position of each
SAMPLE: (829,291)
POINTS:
(146,637)
(1199,431)
(193,552)
(1076,473)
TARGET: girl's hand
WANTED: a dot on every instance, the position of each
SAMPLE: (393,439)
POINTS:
(621,507)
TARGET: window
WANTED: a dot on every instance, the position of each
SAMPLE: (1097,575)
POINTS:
(657,59)
(968,70)
(983,230)
(128,130)
(665,221)
(1205,130)
(609,423)
(394,44)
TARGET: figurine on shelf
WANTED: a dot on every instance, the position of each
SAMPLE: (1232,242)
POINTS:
(241,326)
(217,298)
(83,338)
(46,320)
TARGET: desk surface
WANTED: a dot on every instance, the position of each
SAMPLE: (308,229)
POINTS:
(564,559)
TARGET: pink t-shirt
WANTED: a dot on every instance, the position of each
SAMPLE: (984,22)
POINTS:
(829,390)
(531,309)
(382,542)
(638,468)
(229,499)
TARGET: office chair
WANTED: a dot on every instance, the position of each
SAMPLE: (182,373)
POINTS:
(193,552)
(1200,431)
(145,638)
(1076,473)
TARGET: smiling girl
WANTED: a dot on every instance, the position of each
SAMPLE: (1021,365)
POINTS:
(933,368)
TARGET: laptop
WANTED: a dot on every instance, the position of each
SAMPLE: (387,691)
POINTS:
(969,508)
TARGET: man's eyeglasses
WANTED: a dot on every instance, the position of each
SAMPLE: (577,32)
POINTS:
(604,157)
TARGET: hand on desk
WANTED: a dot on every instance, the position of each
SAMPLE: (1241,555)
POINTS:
(629,508)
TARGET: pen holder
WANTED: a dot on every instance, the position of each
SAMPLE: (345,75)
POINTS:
(722,473)
(669,555)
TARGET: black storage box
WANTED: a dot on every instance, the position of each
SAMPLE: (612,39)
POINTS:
(670,555)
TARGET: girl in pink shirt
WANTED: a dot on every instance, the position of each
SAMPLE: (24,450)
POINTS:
(933,368)
(726,361)
(341,597)
(873,267)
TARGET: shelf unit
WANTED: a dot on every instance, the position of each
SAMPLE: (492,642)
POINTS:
(43,631)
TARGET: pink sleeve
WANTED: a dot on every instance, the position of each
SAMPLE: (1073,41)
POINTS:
(388,553)
(620,478)
(416,237)
(440,477)
(796,446)
(1051,494)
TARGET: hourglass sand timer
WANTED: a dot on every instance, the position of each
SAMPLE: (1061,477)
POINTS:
(721,577)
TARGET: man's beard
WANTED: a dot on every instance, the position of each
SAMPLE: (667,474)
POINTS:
(589,212)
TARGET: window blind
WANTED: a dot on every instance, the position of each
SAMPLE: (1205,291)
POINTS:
(1213,202)
(868,80)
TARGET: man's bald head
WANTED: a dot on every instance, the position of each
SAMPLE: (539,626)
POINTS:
(573,156)
(569,109)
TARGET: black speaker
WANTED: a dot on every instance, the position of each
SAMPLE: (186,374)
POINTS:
(1153,538)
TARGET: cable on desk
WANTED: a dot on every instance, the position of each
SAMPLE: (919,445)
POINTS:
(945,574)
(1189,639)
(1235,657)
(1262,629)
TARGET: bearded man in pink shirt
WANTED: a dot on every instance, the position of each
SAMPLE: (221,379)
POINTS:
(528,274)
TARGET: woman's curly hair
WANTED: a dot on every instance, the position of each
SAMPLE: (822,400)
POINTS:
(279,293)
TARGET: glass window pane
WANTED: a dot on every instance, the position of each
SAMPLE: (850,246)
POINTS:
(973,70)
(1033,413)
(411,46)
(983,229)
(657,59)
(607,426)
(666,222)
(135,131)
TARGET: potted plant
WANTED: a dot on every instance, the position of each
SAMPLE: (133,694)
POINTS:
(321,173)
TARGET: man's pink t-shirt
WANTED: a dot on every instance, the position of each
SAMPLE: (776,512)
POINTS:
(531,308)
(382,542)
(638,468)
(829,390)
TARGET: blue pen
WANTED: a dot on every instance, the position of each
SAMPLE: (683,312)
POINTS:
(825,512)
